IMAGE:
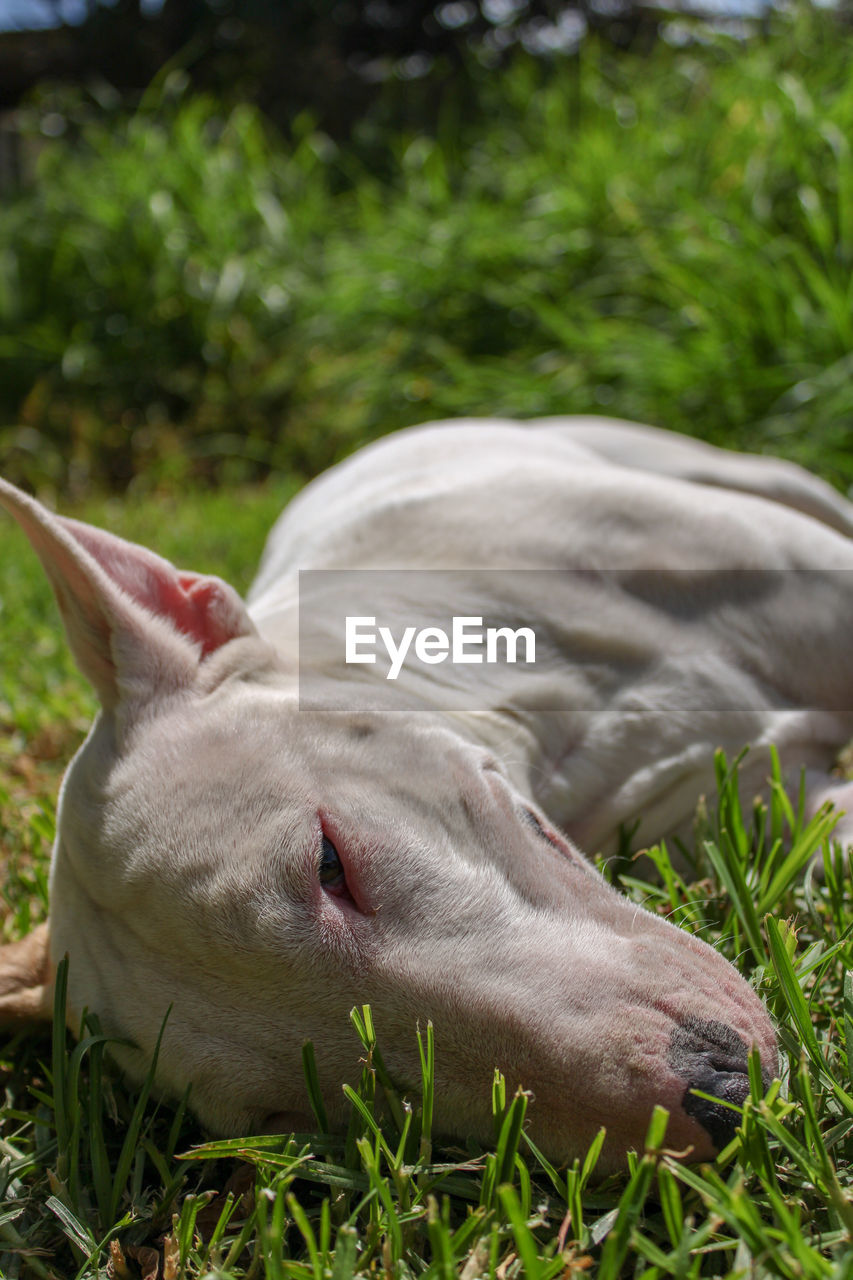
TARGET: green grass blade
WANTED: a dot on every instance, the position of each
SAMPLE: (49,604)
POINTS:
(730,873)
(134,1129)
(61,1117)
(312,1082)
(426,1053)
(525,1241)
(848,1021)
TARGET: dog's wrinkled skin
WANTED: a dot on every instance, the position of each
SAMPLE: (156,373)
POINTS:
(186,867)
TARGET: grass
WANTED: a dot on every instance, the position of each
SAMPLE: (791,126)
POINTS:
(94,1174)
(667,238)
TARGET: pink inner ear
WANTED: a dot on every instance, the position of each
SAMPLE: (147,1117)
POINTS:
(200,608)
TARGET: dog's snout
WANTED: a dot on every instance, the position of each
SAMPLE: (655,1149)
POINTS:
(717,1119)
(712,1059)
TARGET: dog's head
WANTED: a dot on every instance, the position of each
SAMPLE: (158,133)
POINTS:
(262,867)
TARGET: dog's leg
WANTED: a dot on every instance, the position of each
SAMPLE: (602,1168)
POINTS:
(822,788)
(26,980)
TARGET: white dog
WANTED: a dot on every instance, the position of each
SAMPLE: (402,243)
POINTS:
(262,837)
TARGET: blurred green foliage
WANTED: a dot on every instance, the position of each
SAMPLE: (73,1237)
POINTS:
(667,238)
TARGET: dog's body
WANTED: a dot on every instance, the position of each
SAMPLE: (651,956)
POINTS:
(689,622)
(263,864)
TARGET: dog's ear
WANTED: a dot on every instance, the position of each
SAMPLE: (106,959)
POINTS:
(26,980)
(137,625)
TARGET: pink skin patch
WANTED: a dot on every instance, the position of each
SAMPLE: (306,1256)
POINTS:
(202,608)
(199,609)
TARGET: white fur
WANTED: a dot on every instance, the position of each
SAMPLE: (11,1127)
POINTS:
(185,869)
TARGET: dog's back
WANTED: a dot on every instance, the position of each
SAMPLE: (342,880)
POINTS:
(686,598)
(497,493)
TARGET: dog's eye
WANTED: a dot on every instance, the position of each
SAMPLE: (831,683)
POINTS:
(533,821)
(331,870)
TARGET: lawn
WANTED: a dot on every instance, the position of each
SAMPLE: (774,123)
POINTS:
(667,238)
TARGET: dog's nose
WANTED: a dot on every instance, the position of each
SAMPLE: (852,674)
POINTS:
(712,1057)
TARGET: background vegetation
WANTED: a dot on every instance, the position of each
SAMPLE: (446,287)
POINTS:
(667,237)
(209,287)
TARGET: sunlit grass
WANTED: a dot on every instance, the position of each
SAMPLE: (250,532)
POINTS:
(666,237)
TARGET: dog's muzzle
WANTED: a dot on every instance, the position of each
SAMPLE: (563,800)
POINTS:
(711,1057)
